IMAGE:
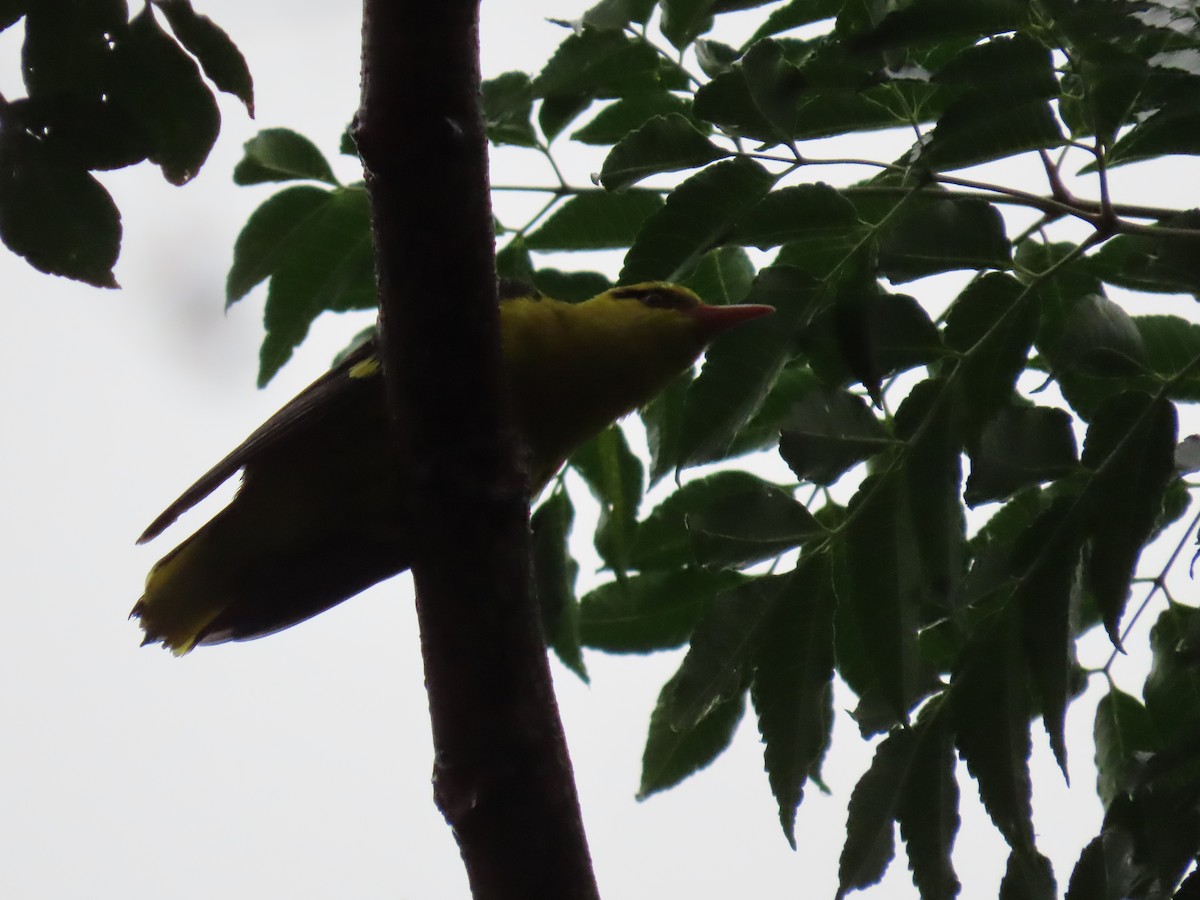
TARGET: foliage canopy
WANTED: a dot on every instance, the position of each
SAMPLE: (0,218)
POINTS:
(956,639)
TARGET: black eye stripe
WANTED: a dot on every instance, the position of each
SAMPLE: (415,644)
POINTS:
(656,298)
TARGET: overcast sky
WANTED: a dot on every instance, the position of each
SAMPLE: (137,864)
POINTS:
(299,766)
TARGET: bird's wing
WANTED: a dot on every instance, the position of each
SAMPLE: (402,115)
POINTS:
(314,403)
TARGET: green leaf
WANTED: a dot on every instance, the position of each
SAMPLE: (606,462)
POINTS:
(572,287)
(818,227)
(663,418)
(602,63)
(665,540)
(1173,130)
(1022,445)
(929,21)
(217,54)
(970,132)
(698,215)
(671,756)
(1096,336)
(792,689)
(763,430)
(326,263)
(1004,67)
(1103,90)
(930,421)
(557,112)
(718,663)
(160,86)
(1106,869)
(1130,447)
(1045,565)
(990,709)
(67,46)
(1172,346)
(1029,876)
(614,475)
(616,14)
(941,236)
(724,275)
(1158,263)
(267,238)
(625,116)
(514,261)
(279,154)
(877,577)
(651,611)
(750,526)
(597,220)
(663,144)
(1123,735)
(55,215)
(868,335)
(715,58)
(685,20)
(554,574)
(928,811)
(776,85)
(795,14)
(911,782)
(507,102)
(827,433)
(870,833)
(740,370)
(992,323)
(1172,688)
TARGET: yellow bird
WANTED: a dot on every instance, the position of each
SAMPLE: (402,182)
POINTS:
(318,518)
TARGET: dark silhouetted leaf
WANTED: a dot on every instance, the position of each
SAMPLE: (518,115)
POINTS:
(970,132)
(697,217)
(992,323)
(651,611)
(507,102)
(941,236)
(602,63)
(671,756)
(324,262)
(990,707)
(1029,876)
(614,475)
(1130,447)
(828,432)
(740,369)
(220,58)
(58,217)
(278,154)
(877,573)
(554,573)
(663,144)
(622,118)
(1123,734)
(1023,445)
(160,86)
(793,684)
(596,220)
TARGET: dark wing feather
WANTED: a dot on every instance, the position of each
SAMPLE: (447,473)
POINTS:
(312,404)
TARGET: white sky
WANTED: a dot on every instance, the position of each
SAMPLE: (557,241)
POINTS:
(299,766)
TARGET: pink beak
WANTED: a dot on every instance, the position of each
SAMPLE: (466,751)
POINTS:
(715,319)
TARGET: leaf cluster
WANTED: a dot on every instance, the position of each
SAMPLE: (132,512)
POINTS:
(959,531)
(104,91)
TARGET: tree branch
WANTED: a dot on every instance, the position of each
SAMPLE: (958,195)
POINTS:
(502,777)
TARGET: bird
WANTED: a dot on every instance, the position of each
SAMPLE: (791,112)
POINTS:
(318,516)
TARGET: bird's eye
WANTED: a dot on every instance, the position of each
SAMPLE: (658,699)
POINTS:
(658,300)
